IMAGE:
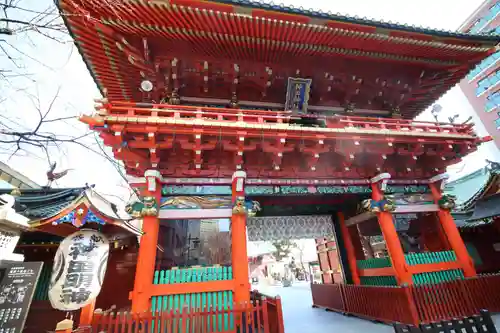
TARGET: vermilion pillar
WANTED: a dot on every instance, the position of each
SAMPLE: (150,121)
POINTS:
(144,272)
(349,247)
(239,239)
(385,219)
(450,228)
(86,314)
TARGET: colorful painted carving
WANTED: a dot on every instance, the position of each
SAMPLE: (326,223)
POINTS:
(407,189)
(196,202)
(207,202)
(447,202)
(80,217)
(250,190)
(252,208)
(147,207)
(402,199)
(384,205)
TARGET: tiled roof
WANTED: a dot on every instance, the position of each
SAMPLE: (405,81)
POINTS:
(315,13)
(43,203)
(479,208)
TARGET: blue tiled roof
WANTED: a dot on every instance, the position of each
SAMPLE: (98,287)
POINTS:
(354,19)
(43,203)
(466,187)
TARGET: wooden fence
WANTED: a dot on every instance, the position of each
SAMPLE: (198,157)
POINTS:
(274,311)
(413,304)
(241,318)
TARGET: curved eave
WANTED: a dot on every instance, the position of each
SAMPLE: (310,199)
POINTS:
(84,200)
(492,181)
(317,14)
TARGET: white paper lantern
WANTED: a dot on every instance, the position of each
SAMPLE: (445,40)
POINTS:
(79,268)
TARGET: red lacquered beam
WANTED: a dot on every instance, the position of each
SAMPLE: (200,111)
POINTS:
(385,271)
(194,108)
(435,267)
(241,115)
(169,113)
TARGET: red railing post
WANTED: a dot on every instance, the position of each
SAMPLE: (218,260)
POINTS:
(343,297)
(96,319)
(279,317)
(415,320)
(265,315)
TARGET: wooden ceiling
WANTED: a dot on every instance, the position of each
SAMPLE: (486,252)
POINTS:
(208,50)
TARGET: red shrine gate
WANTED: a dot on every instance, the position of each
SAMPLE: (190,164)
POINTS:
(194,94)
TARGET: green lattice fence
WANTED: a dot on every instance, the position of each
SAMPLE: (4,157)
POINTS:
(221,300)
(374,263)
(376,280)
(432,258)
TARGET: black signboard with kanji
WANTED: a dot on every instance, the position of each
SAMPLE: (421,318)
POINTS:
(17,286)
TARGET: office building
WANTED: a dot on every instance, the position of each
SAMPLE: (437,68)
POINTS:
(482,84)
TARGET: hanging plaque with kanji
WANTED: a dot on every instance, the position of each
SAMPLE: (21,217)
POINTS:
(79,268)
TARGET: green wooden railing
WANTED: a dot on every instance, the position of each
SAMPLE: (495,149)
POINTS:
(376,280)
(432,258)
(205,301)
(43,284)
(413,259)
(374,263)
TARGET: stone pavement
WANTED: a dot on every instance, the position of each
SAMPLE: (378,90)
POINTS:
(301,317)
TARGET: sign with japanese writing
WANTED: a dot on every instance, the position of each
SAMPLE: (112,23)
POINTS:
(297,95)
(79,268)
(17,286)
(8,241)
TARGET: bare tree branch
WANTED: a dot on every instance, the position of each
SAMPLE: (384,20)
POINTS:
(42,130)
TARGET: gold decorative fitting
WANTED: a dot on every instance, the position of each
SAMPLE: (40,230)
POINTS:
(447,202)
(384,205)
(233,104)
(174,99)
(16,192)
(239,206)
(396,113)
(349,109)
(254,209)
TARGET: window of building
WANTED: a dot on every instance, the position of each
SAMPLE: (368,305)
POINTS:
(494,31)
(490,15)
(488,82)
(486,63)
(493,101)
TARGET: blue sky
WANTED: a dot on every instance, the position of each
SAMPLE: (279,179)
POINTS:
(58,66)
